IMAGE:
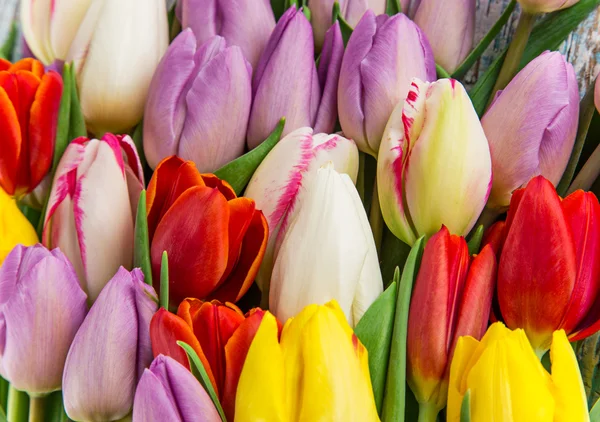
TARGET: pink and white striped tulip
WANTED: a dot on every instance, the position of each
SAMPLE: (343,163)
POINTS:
(287,169)
(434,165)
(92,207)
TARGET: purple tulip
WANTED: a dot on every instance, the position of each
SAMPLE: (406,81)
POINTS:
(383,55)
(110,350)
(41,308)
(536,115)
(245,23)
(169,392)
(287,84)
(450,27)
(199,103)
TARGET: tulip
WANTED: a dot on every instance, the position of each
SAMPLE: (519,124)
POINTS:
(242,23)
(508,383)
(381,58)
(220,335)
(278,181)
(328,252)
(41,308)
(452,297)
(549,268)
(29,103)
(410,7)
(537,115)
(15,229)
(110,350)
(310,100)
(217,253)
(90,214)
(115,53)
(50,27)
(317,370)
(350,10)
(169,392)
(450,28)
(545,6)
(198,104)
(434,164)
(597,94)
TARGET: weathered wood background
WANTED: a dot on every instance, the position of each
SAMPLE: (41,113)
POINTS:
(582,48)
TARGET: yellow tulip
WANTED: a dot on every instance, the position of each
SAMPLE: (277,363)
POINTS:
(14,227)
(508,383)
(317,371)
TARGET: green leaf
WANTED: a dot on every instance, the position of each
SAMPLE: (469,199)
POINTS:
(394,253)
(141,249)
(64,117)
(465,408)
(588,356)
(345,27)
(77,122)
(200,373)
(441,72)
(164,281)
(393,7)
(595,412)
(394,401)
(54,409)
(3,393)
(239,172)
(470,60)
(306,12)
(138,139)
(548,34)
(374,330)
(6,51)
(475,241)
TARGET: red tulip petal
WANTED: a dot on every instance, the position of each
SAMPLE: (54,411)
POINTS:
(172,177)
(515,200)
(43,122)
(582,211)
(495,236)
(29,65)
(251,255)
(213,181)
(194,232)
(537,268)
(188,308)
(10,143)
(4,64)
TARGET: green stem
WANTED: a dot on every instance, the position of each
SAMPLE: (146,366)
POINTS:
(427,412)
(376,219)
(3,393)
(37,409)
(510,66)
(164,281)
(18,405)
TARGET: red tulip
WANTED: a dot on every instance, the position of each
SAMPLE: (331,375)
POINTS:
(220,334)
(549,267)
(215,241)
(29,103)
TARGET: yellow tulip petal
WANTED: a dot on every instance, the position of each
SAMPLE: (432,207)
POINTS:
(569,394)
(460,366)
(15,229)
(264,367)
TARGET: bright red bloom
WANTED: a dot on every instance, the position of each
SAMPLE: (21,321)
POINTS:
(220,334)
(29,105)
(215,241)
(549,267)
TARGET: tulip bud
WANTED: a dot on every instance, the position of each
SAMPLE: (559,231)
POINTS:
(317,370)
(115,52)
(537,115)
(198,104)
(247,24)
(503,361)
(169,392)
(217,253)
(311,99)
(351,11)
(450,28)
(90,216)
(545,6)
(50,27)
(328,252)
(382,56)
(15,229)
(41,308)
(29,103)
(452,297)
(278,181)
(549,268)
(434,164)
(110,350)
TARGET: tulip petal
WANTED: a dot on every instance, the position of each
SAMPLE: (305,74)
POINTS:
(11,143)
(214,182)
(465,349)
(241,211)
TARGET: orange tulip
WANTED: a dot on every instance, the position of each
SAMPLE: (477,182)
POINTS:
(219,333)
(215,241)
(29,104)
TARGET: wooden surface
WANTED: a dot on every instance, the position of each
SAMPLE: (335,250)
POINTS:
(582,48)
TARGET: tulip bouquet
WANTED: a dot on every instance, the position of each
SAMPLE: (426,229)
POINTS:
(297,210)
